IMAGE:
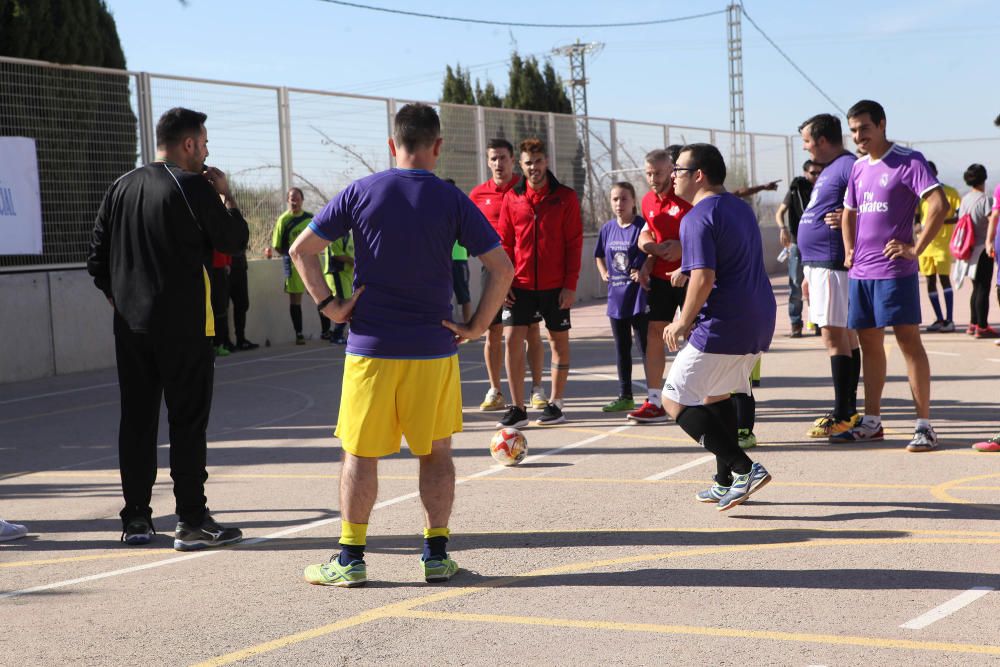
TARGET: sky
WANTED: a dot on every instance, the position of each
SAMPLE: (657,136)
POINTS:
(928,63)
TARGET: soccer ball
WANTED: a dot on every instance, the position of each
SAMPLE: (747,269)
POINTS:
(509,446)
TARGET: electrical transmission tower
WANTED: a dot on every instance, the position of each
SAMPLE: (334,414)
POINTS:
(737,124)
(577,82)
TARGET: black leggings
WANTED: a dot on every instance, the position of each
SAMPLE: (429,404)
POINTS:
(622,331)
(979,304)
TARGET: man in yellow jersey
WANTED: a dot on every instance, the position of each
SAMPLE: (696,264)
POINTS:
(935,260)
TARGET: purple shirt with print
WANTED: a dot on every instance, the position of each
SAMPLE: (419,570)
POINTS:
(619,247)
(721,233)
(885,194)
(818,242)
(405,223)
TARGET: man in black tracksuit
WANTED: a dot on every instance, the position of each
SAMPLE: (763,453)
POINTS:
(152,240)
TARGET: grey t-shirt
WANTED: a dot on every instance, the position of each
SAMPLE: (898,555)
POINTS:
(977,205)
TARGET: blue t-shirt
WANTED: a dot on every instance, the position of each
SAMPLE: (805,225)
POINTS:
(819,243)
(405,223)
(721,233)
(619,246)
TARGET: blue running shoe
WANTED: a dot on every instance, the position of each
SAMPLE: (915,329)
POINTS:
(861,432)
(743,486)
(713,494)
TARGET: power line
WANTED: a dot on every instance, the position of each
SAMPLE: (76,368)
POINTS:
(791,62)
(457,19)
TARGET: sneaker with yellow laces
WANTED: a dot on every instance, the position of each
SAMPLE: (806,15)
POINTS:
(493,401)
(334,574)
(829,425)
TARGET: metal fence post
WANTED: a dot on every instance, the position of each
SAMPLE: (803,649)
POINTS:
(551,117)
(390,117)
(753,160)
(666,136)
(285,138)
(789,159)
(147,134)
(614,146)
(481,144)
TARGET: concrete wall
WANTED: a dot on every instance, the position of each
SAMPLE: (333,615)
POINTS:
(57,322)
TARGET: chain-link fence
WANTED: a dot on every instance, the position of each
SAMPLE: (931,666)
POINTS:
(91,125)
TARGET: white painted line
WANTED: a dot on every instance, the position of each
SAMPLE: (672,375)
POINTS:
(288,531)
(680,468)
(948,608)
(997,361)
(944,354)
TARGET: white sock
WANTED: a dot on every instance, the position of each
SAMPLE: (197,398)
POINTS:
(536,388)
(872,421)
(654,397)
(558,403)
(923,423)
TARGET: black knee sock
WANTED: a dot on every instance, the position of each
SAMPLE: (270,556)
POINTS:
(324,323)
(855,379)
(714,426)
(745,406)
(842,369)
(435,548)
(295,310)
(351,552)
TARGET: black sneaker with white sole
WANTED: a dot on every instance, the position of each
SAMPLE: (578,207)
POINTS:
(137,531)
(552,414)
(209,534)
(515,417)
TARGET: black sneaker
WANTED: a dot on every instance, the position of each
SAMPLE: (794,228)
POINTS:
(246,345)
(552,414)
(138,531)
(515,417)
(209,534)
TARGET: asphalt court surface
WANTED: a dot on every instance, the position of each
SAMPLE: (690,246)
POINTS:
(592,551)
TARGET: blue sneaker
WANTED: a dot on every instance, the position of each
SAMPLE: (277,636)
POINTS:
(743,487)
(861,432)
(713,494)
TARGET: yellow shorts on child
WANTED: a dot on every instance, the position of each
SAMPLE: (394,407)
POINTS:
(383,400)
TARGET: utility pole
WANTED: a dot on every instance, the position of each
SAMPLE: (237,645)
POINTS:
(577,53)
(737,124)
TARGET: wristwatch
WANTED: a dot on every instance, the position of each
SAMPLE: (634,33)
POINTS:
(324,303)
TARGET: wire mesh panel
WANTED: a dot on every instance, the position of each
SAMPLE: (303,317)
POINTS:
(84,126)
(599,173)
(460,152)
(677,134)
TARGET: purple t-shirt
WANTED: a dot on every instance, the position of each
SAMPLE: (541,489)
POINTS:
(885,194)
(721,233)
(619,246)
(820,244)
(405,223)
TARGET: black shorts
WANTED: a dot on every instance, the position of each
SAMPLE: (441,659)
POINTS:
(530,306)
(664,300)
(460,281)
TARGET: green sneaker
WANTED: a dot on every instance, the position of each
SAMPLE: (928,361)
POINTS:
(747,439)
(335,574)
(620,404)
(439,569)
(221,351)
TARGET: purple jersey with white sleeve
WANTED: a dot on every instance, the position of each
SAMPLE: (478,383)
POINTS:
(721,233)
(619,247)
(885,194)
(820,244)
(405,223)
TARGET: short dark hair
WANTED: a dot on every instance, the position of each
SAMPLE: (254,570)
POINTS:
(807,164)
(674,150)
(296,189)
(826,126)
(933,167)
(975,175)
(498,143)
(707,159)
(996,121)
(416,126)
(533,145)
(657,155)
(177,124)
(870,107)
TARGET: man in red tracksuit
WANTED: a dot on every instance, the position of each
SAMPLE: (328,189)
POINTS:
(541,230)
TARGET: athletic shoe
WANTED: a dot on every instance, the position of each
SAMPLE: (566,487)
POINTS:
(11,531)
(796,331)
(338,340)
(439,569)
(747,439)
(971,330)
(860,432)
(245,344)
(538,398)
(743,487)
(829,425)
(493,401)
(552,414)
(334,574)
(515,417)
(326,335)
(987,332)
(924,440)
(713,494)
(138,531)
(648,414)
(209,534)
(948,327)
(934,328)
(300,339)
(991,445)
(221,351)
(620,404)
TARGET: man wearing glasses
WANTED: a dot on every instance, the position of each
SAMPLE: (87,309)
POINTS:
(727,318)
(795,202)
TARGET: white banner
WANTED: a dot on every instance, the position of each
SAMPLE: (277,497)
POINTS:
(20,198)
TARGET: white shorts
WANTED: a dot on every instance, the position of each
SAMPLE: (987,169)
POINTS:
(696,375)
(828,290)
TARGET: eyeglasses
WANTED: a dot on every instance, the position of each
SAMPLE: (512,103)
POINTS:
(677,168)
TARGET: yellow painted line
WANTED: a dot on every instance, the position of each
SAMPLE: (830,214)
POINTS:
(942,491)
(401,609)
(80,559)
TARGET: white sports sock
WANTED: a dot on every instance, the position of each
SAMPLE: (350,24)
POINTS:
(558,403)
(923,423)
(872,421)
(654,398)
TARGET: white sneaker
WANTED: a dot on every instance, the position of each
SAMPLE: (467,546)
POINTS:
(538,398)
(11,531)
(924,440)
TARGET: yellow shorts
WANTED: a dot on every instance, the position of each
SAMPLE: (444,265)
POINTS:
(935,263)
(383,400)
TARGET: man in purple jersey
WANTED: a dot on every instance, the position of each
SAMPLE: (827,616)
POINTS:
(728,318)
(882,195)
(822,249)
(401,374)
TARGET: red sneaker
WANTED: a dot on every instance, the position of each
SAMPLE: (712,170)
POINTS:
(987,332)
(971,330)
(648,414)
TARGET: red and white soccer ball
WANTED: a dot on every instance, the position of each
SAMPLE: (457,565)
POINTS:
(509,446)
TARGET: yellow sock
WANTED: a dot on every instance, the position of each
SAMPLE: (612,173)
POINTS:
(436,532)
(355,534)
